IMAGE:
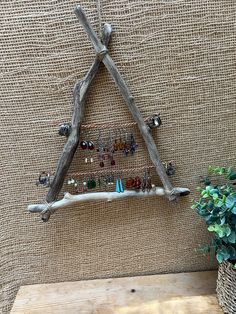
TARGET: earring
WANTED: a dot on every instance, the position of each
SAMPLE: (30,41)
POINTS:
(117,186)
(110,150)
(144,182)
(133,144)
(121,142)
(129,183)
(170,169)
(85,187)
(44,179)
(149,182)
(100,150)
(121,186)
(137,183)
(126,148)
(83,145)
(90,145)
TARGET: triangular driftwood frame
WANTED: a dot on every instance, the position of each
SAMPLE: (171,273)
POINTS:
(80,92)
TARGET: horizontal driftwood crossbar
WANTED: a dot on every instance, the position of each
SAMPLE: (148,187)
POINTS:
(107,196)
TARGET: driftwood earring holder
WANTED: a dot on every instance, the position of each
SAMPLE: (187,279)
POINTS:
(74,130)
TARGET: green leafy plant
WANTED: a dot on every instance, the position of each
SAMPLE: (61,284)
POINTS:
(217,206)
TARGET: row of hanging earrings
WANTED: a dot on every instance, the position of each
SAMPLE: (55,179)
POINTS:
(143,183)
(106,149)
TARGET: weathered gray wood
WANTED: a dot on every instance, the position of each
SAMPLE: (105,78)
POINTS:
(129,99)
(80,92)
(108,196)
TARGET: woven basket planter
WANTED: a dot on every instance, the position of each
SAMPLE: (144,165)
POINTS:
(226,288)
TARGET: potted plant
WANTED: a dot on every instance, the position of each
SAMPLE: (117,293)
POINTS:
(217,206)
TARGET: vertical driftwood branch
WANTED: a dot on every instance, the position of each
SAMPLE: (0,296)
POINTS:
(117,77)
(80,92)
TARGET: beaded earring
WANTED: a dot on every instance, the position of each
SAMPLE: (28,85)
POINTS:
(126,146)
(133,144)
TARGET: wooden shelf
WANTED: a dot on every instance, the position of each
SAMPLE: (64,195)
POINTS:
(185,293)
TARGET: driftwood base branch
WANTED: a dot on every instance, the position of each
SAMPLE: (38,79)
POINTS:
(106,196)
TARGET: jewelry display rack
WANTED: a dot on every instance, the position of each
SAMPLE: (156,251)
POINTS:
(73,133)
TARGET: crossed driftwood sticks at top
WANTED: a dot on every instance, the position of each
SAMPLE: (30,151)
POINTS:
(80,91)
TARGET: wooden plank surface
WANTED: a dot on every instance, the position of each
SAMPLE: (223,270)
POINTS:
(185,293)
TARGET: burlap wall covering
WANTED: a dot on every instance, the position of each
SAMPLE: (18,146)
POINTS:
(178,57)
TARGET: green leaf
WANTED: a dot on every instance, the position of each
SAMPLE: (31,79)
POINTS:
(227,231)
(219,204)
(232,176)
(222,220)
(232,237)
(232,252)
(215,196)
(230,201)
(233,210)
(219,257)
(211,228)
(224,198)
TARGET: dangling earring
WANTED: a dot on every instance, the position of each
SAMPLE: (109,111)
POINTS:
(85,187)
(83,145)
(126,149)
(117,186)
(100,150)
(149,182)
(121,186)
(133,144)
(144,182)
(110,150)
(121,143)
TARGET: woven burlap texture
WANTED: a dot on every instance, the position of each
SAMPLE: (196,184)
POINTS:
(178,57)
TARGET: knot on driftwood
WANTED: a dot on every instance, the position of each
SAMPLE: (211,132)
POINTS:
(101,54)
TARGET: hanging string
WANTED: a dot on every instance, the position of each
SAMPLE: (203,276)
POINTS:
(98,3)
